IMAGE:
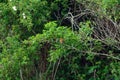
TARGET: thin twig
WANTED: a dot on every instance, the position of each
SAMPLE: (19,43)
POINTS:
(56,69)
(21,74)
(95,53)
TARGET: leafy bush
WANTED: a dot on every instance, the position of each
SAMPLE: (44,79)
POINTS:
(59,40)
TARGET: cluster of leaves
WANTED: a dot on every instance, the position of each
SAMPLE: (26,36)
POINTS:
(109,8)
(29,16)
(73,55)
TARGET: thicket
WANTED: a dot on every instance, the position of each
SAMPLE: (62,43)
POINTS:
(59,39)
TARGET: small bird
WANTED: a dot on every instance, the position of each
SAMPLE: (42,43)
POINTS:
(61,40)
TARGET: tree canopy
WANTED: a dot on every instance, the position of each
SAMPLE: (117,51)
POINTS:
(59,39)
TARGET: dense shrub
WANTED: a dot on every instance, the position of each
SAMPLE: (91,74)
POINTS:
(59,40)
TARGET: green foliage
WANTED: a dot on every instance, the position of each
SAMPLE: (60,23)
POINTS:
(14,56)
(34,45)
(111,6)
(108,8)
